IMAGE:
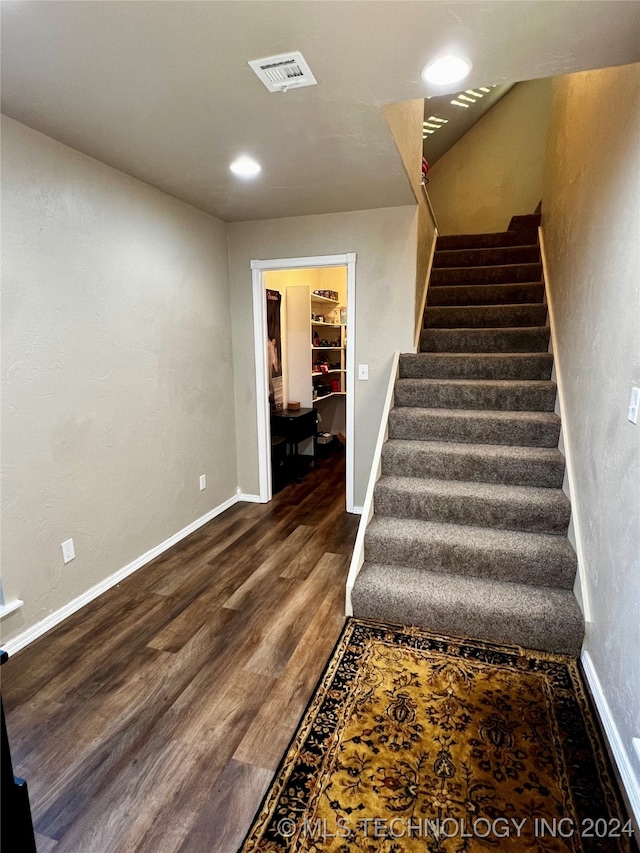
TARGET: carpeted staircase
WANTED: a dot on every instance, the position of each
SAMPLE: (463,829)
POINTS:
(469,530)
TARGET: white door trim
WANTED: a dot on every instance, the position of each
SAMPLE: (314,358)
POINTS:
(258,268)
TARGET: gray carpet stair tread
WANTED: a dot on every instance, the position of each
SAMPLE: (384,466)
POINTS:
(499,239)
(537,365)
(487,463)
(503,394)
(533,429)
(486,256)
(478,316)
(534,617)
(519,339)
(534,559)
(495,274)
(486,294)
(496,505)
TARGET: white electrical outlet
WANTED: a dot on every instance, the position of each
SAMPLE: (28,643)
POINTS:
(68,551)
(634,404)
(363,371)
(203,482)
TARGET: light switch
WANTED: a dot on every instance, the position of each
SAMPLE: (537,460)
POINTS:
(363,371)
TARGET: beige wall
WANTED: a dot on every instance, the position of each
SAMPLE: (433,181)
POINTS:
(591,223)
(117,373)
(405,122)
(385,243)
(495,171)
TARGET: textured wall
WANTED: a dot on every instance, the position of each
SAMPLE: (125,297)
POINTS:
(405,122)
(117,372)
(385,243)
(495,171)
(591,223)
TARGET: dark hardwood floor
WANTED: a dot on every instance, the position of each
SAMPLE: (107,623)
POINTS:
(154,718)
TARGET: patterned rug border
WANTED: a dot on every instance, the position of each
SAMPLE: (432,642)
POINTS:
(495,654)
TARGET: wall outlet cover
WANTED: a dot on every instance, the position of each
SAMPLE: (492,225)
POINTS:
(634,405)
(68,551)
(203,481)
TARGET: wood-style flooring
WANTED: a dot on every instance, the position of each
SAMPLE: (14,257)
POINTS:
(154,718)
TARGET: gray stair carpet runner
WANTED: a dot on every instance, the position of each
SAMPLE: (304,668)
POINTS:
(468,535)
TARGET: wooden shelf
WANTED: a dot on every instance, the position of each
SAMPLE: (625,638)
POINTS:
(333,325)
(327,372)
(338,347)
(316,298)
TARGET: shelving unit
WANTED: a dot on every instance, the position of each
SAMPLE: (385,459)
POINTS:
(328,336)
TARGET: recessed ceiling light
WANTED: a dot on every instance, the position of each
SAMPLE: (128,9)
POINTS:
(447,69)
(245,167)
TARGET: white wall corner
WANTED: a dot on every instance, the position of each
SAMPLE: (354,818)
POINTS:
(30,634)
(565,447)
(628,777)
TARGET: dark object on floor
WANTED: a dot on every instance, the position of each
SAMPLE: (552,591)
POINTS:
(17,826)
(426,742)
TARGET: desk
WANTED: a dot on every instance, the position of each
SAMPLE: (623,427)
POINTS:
(295,425)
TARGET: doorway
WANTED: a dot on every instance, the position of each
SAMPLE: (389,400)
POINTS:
(260,269)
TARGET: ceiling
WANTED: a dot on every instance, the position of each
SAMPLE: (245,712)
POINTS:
(458,119)
(163,92)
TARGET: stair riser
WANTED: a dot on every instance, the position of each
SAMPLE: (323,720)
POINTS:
(441,466)
(487,257)
(535,366)
(472,430)
(478,294)
(535,399)
(525,222)
(485,316)
(461,559)
(485,340)
(524,237)
(550,517)
(509,274)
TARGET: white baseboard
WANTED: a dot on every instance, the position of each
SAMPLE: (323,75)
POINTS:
(253,499)
(629,780)
(568,457)
(366,511)
(53,619)
(357,510)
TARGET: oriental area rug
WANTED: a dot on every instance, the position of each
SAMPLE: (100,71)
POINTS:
(415,743)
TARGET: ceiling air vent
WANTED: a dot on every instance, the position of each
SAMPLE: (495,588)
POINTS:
(282,72)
